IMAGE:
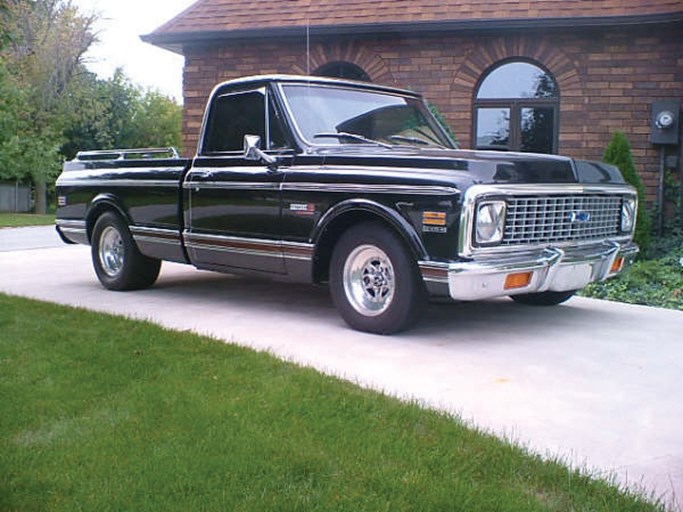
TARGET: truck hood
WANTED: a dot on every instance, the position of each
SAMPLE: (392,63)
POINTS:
(468,167)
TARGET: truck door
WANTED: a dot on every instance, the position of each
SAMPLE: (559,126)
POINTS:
(232,208)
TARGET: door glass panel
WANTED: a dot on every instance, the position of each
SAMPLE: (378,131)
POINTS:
(276,132)
(537,125)
(232,117)
(493,128)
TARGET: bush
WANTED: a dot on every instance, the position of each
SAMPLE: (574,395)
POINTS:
(618,153)
(444,124)
(655,282)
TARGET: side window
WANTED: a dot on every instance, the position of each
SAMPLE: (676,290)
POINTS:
(235,115)
(276,133)
(232,117)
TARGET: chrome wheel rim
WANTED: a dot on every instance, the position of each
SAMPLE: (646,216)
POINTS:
(369,281)
(111,251)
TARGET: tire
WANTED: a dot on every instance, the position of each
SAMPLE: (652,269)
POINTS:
(544,298)
(395,297)
(118,263)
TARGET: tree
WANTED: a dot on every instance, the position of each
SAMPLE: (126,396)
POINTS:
(618,153)
(51,106)
(44,45)
(115,113)
(157,121)
(23,149)
(48,39)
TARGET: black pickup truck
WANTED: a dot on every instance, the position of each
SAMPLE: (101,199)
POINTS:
(356,185)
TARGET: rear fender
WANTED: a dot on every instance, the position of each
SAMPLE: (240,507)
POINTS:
(100,204)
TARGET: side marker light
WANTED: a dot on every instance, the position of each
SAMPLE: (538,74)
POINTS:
(520,280)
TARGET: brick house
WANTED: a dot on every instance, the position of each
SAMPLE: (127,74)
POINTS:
(581,69)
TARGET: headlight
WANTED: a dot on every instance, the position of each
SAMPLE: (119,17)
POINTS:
(490,222)
(628,214)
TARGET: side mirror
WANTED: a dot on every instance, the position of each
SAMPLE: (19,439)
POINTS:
(253,152)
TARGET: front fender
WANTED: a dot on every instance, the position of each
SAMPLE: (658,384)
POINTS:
(388,215)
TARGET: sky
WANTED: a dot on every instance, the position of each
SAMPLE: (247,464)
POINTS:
(120,25)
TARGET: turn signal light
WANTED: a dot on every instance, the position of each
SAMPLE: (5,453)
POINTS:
(434,218)
(617,265)
(518,280)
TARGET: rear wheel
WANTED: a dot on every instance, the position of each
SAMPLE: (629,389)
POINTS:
(118,263)
(374,281)
(544,298)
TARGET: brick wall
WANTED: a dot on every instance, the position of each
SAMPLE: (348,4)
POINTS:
(607,79)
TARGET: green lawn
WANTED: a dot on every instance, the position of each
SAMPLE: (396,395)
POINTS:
(15,220)
(100,413)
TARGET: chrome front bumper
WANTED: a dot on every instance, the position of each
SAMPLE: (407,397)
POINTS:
(551,268)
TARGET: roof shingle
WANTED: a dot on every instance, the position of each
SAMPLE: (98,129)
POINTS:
(213,16)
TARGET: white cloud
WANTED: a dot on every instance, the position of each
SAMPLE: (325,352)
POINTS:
(120,25)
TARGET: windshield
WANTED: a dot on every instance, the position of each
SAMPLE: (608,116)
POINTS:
(332,115)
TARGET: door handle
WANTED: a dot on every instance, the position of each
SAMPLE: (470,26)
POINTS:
(202,175)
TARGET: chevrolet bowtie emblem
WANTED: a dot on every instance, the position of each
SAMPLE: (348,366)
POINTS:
(580,216)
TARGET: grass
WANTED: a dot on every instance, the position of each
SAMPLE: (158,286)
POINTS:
(16,220)
(107,414)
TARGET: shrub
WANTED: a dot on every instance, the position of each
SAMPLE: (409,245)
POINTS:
(442,120)
(618,153)
(654,282)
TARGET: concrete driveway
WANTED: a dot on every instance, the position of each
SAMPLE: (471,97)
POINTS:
(35,237)
(596,383)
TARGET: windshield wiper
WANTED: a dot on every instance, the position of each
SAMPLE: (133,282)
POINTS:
(413,140)
(351,136)
(416,140)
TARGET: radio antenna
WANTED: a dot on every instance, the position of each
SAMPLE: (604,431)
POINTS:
(308,47)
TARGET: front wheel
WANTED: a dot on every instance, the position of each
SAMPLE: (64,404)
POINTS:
(374,281)
(544,298)
(118,263)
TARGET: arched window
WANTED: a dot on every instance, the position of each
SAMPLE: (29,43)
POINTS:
(516,109)
(342,69)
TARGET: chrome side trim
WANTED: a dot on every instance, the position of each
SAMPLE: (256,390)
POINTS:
(349,188)
(155,235)
(116,183)
(298,251)
(70,224)
(72,231)
(75,227)
(251,246)
(356,188)
(230,185)
(434,271)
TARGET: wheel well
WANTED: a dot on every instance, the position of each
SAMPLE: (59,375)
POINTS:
(96,212)
(334,230)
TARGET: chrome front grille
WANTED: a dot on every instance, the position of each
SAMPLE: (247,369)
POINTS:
(561,218)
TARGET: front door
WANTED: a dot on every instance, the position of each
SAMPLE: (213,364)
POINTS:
(233,206)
